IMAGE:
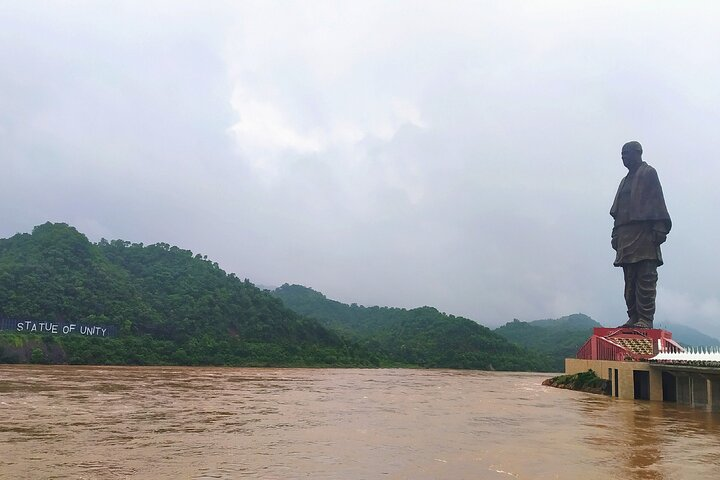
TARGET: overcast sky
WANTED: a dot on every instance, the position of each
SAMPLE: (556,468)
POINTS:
(462,155)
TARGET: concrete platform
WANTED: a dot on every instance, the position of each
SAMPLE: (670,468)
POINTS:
(697,386)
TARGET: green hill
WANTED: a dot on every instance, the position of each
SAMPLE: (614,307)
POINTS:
(168,305)
(557,338)
(421,336)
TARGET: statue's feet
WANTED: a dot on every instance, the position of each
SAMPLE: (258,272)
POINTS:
(636,324)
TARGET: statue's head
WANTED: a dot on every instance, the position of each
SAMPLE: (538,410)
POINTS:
(632,154)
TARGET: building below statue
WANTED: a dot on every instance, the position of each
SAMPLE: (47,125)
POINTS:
(647,364)
(627,343)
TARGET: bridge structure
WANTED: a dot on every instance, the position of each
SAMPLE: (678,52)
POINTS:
(647,364)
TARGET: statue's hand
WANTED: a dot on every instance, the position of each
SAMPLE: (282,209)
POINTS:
(659,237)
(614,242)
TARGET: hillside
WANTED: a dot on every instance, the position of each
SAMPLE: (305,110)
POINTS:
(421,336)
(689,336)
(167,305)
(555,338)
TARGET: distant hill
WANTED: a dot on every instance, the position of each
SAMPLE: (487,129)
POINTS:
(168,305)
(576,321)
(689,336)
(556,338)
(420,336)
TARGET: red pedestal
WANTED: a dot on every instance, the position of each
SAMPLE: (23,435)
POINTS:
(633,344)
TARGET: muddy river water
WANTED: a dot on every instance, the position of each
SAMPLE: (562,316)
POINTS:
(75,422)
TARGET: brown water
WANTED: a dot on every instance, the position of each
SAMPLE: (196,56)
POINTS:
(202,423)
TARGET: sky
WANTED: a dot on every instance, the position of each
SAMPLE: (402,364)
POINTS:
(462,155)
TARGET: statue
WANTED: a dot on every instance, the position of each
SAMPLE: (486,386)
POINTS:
(641,225)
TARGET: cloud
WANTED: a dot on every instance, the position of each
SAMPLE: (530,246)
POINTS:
(463,156)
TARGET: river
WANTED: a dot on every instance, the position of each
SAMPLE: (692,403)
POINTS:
(78,422)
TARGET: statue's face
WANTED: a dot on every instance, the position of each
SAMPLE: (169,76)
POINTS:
(631,157)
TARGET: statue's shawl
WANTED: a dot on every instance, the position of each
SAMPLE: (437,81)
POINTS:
(646,197)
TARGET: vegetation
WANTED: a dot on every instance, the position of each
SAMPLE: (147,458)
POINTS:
(170,307)
(422,336)
(583,381)
(555,339)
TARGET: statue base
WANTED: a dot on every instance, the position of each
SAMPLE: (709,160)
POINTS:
(627,344)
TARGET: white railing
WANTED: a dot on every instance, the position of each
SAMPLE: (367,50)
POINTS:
(691,354)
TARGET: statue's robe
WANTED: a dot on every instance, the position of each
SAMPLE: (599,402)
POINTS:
(641,217)
(641,225)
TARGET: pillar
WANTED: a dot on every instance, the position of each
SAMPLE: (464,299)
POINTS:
(656,387)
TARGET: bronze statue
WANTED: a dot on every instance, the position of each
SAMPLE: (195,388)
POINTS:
(641,224)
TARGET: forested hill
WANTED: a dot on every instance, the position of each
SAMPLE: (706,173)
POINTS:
(421,336)
(168,305)
(557,338)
